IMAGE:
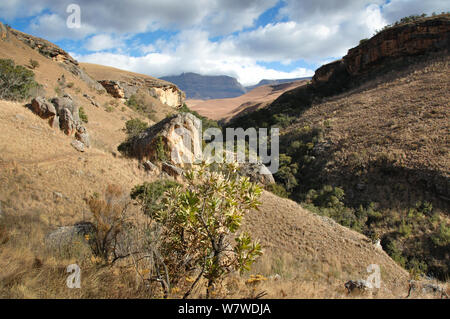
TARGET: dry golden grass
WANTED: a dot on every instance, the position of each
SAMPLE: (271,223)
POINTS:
(44,183)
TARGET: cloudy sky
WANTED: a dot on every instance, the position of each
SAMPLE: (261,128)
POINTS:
(248,39)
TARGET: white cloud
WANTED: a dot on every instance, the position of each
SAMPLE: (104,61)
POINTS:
(102,42)
(310,30)
(193,52)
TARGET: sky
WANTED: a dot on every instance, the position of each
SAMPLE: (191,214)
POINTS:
(247,39)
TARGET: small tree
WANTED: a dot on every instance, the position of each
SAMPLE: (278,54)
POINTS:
(135,126)
(199,223)
(16,81)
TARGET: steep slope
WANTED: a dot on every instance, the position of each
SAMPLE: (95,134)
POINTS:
(367,142)
(207,87)
(225,109)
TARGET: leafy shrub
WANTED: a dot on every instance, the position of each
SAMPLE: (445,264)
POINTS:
(199,223)
(149,194)
(441,237)
(278,190)
(141,103)
(16,82)
(83,115)
(135,126)
(160,149)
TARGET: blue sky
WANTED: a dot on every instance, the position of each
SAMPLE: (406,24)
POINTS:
(248,39)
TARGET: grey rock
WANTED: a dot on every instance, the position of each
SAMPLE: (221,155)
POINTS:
(257,172)
(79,146)
(41,107)
(172,170)
(149,166)
(82,135)
(65,239)
(66,122)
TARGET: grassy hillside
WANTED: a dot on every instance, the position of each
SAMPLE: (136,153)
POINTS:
(44,184)
(374,154)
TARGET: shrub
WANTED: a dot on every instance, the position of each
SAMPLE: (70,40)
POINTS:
(83,115)
(135,126)
(278,190)
(200,222)
(149,194)
(16,82)
(109,219)
(441,237)
(34,64)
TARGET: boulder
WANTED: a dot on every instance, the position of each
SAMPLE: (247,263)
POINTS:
(257,172)
(149,166)
(66,121)
(79,146)
(172,170)
(43,108)
(113,88)
(66,102)
(176,140)
(67,239)
(82,135)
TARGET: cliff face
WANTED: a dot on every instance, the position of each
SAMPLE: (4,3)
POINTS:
(405,40)
(386,49)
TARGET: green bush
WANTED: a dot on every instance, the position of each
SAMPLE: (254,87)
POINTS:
(149,194)
(83,115)
(34,64)
(441,237)
(134,127)
(200,225)
(16,82)
(278,190)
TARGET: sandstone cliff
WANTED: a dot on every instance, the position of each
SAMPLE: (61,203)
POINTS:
(122,84)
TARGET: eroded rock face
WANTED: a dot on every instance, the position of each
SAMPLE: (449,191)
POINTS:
(4,34)
(405,40)
(176,143)
(165,92)
(164,141)
(393,45)
(113,88)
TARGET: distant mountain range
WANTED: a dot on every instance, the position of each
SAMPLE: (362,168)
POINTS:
(207,87)
(275,82)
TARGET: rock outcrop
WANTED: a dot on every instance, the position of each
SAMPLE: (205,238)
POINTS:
(176,143)
(4,32)
(57,54)
(165,92)
(62,112)
(392,47)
